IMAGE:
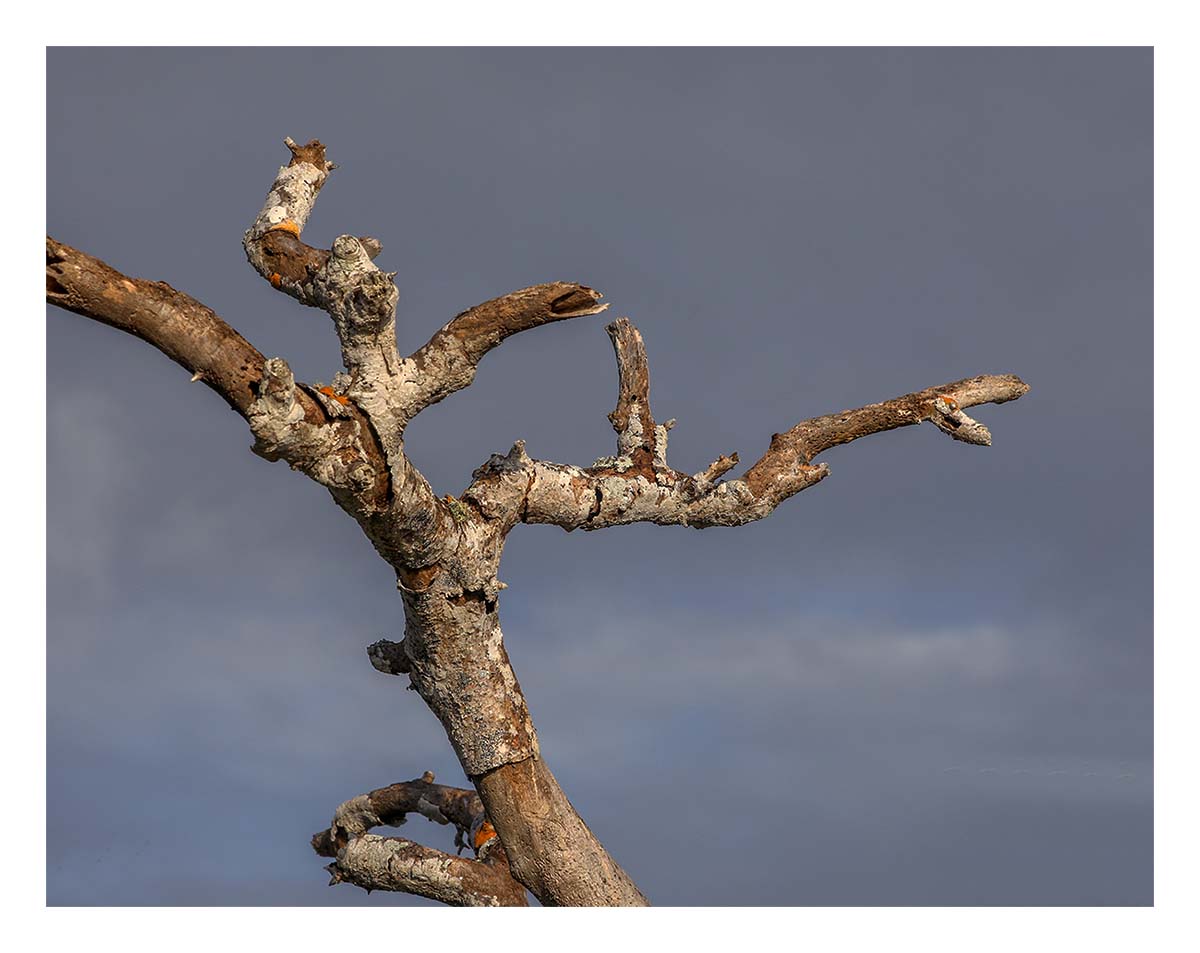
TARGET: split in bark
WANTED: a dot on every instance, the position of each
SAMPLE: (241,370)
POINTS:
(349,436)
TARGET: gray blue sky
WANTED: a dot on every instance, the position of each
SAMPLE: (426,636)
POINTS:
(926,680)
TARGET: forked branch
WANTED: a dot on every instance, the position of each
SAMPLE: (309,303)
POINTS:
(638,485)
(393,863)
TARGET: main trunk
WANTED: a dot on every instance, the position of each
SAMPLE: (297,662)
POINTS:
(458,664)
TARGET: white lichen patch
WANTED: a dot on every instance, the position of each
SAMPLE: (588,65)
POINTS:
(291,199)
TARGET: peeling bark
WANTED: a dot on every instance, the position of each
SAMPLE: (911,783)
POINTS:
(445,551)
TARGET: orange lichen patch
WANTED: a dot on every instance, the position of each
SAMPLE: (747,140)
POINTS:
(418,580)
(328,392)
(287,225)
(275,279)
(949,400)
(485,833)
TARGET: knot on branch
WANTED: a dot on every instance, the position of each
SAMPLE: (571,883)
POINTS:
(331,453)
(360,298)
(389,657)
(276,409)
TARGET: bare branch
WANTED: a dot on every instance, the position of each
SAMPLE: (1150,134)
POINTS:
(321,432)
(392,863)
(448,362)
(415,525)
(387,863)
(639,439)
(273,243)
(344,281)
(638,485)
(288,421)
(389,657)
(771,476)
(391,806)
(186,331)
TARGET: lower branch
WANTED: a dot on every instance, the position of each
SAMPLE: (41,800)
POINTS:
(373,862)
(393,863)
(454,656)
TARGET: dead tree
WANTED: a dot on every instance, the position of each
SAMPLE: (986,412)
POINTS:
(445,550)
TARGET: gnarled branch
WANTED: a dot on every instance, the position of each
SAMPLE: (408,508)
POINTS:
(273,244)
(391,863)
(186,331)
(638,485)
(942,406)
(343,281)
(289,421)
(448,362)
(415,525)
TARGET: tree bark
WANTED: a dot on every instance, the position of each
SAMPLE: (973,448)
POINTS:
(445,551)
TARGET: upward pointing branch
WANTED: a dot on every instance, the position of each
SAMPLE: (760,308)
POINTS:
(448,362)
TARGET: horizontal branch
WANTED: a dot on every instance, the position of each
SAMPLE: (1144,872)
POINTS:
(638,485)
(387,863)
(772,475)
(516,488)
(373,862)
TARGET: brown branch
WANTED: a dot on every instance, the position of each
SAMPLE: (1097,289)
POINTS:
(639,438)
(186,331)
(773,475)
(448,361)
(397,864)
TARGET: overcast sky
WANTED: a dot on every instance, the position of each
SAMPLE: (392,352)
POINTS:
(926,680)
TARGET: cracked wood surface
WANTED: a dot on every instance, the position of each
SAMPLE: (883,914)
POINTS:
(349,437)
